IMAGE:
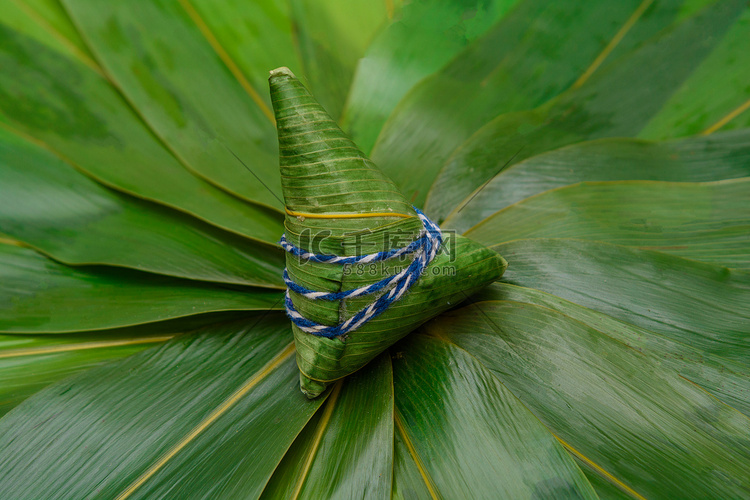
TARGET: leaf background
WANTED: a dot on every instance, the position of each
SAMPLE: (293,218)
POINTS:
(611,360)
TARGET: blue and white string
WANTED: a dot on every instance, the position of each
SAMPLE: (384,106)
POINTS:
(424,248)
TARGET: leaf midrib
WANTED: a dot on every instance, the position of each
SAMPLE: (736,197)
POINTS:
(15,353)
(46,26)
(220,410)
(321,428)
(608,476)
(399,427)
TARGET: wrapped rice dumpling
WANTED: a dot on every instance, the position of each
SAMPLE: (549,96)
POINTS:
(340,206)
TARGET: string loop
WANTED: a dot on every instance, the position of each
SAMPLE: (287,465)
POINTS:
(424,249)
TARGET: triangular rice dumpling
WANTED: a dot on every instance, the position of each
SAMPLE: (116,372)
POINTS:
(339,203)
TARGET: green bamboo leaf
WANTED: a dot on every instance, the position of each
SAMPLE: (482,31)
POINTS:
(604,488)
(470,433)
(71,109)
(409,482)
(696,159)
(185,93)
(347,451)
(536,52)
(716,95)
(624,377)
(332,35)
(655,433)
(426,35)
(40,296)
(29,363)
(698,304)
(702,221)
(249,37)
(53,18)
(612,103)
(229,383)
(336,196)
(47,23)
(729,381)
(47,204)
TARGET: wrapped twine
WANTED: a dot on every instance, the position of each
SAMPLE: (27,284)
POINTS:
(425,249)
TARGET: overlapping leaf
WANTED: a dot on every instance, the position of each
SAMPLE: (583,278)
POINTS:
(229,387)
(537,51)
(332,35)
(611,103)
(51,15)
(697,159)
(38,295)
(426,35)
(664,436)
(702,221)
(46,22)
(701,305)
(74,111)
(728,380)
(261,40)
(613,348)
(469,433)
(47,204)
(160,60)
(716,94)
(30,363)
(409,482)
(352,433)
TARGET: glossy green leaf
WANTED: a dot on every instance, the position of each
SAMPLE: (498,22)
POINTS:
(47,23)
(728,380)
(332,36)
(347,451)
(696,159)
(537,51)
(604,489)
(702,221)
(77,114)
(426,35)
(652,431)
(37,295)
(29,363)
(47,204)
(51,15)
(698,304)
(251,37)
(199,412)
(612,103)
(468,432)
(738,118)
(715,96)
(158,57)
(408,480)
(634,360)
